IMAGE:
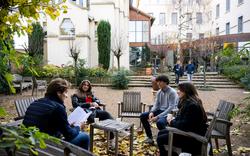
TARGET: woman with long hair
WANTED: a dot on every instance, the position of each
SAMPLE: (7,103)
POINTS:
(85,98)
(191,117)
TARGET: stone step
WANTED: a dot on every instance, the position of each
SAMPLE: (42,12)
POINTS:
(195,82)
(172,79)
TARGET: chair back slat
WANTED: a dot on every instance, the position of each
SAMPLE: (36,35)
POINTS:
(224,109)
(22,105)
(212,125)
(131,102)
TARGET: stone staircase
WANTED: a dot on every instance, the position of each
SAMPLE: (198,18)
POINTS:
(214,80)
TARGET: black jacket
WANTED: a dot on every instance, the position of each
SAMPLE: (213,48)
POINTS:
(190,118)
(49,115)
(82,102)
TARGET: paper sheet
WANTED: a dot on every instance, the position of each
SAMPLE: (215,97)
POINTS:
(78,116)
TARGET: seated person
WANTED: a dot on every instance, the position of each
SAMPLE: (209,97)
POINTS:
(85,99)
(191,118)
(166,99)
(49,115)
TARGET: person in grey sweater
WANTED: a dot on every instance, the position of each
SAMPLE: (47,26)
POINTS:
(166,100)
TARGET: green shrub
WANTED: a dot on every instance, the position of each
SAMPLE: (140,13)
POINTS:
(97,72)
(246,81)
(120,79)
(236,72)
(51,71)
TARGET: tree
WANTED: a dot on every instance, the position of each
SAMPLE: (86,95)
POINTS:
(16,17)
(145,55)
(104,43)
(74,53)
(117,48)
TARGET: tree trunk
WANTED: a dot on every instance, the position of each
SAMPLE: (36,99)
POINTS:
(118,63)
(76,72)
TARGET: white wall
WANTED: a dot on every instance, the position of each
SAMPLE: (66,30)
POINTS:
(231,16)
(58,45)
(116,12)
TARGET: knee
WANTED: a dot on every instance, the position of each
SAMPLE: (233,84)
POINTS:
(85,137)
(161,124)
(144,116)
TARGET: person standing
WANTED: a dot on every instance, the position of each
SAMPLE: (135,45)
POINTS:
(49,115)
(190,118)
(178,71)
(190,70)
(166,99)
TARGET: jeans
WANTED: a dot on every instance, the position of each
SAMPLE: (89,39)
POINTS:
(81,140)
(189,77)
(177,77)
(161,122)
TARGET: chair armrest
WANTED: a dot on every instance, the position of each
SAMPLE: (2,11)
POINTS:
(210,114)
(102,105)
(228,123)
(188,134)
(18,118)
(150,107)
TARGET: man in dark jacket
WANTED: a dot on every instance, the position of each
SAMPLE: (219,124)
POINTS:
(178,71)
(49,115)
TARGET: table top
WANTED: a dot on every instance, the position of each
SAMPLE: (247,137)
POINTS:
(112,125)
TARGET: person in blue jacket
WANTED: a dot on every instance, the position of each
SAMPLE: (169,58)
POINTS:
(190,70)
(191,117)
(49,115)
(178,71)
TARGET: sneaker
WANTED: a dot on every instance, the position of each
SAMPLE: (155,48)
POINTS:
(149,141)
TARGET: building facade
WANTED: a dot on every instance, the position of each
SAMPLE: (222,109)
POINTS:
(139,35)
(78,29)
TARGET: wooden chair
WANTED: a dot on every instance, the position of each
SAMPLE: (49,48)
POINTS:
(205,140)
(22,105)
(222,127)
(131,106)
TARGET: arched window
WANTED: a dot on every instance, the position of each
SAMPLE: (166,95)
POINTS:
(67,27)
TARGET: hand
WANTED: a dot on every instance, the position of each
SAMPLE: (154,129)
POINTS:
(154,119)
(82,126)
(169,119)
(150,116)
(94,104)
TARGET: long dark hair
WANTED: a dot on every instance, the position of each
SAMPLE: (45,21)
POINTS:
(80,90)
(190,94)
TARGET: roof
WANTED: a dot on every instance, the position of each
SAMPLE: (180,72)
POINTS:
(142,13)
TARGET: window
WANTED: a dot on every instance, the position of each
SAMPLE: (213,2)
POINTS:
(240,2)
(217,31)
(173,1)
(240,24)
(227,5)
(162,19)
(227,28)
(198,1)
(174,18)
(138,31)
(217,10)
(201,35)
(67,27)
(189,36)
(199,18)
(189,18)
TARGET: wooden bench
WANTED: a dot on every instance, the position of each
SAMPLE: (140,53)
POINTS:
(22,105)
(52,148)
(20,83)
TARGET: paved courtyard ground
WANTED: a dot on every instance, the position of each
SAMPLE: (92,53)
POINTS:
(110,97)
